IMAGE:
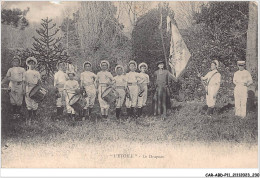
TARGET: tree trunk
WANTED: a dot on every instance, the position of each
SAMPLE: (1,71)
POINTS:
(251,51)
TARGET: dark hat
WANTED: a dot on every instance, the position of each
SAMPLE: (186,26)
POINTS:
(160,62)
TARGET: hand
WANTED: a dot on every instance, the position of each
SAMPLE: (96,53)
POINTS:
(245,84)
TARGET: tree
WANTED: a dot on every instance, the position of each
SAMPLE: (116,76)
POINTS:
(15,18)
(71,37)
(251,51)
(47,49)
(101,35)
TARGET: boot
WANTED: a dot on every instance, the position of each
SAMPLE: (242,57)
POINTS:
(128,110)
(133,112)
(28,120)
(58,111)
(73,117)
(117,113)
(210,111)
(138,112)
(84,114)
(89,110)
(34,114)
(18,111)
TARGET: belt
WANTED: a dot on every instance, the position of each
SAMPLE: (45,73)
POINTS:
(17,82)
(88,84)
(30,84)
(103,84)
(131,84)
(120,87)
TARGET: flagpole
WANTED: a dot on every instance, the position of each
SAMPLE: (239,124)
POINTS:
(164,51)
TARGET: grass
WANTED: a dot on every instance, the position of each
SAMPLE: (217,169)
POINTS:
(185,122)
(222,140)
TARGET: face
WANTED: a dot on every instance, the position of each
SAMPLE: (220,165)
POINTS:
(15,62)
(32,64)
(71,76)
(119,71)
(161,66)
(143,69)
(132,67)
(87,67)
(62,67)
(104,66)
(213,66)
(241,67)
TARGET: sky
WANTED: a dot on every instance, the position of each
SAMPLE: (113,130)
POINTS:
(55,9)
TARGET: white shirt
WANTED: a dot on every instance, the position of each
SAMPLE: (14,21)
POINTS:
(32,76)
(120,80)
(71,85)
(60,78)
(242,77)
(132,77)
(15,74)
(213,80)
(87,78)
(144,77)
(104,77)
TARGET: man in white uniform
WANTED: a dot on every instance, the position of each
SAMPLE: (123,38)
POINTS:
(60,78)
(87,81)
(242,79)
(213,79)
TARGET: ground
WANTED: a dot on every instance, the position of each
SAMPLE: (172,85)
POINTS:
(222,140)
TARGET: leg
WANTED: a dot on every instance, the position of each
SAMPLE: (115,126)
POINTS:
(243,102)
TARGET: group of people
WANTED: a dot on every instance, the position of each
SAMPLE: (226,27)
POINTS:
(131,88)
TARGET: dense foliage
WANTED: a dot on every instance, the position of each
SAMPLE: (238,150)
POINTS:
(219,32)
(15,18)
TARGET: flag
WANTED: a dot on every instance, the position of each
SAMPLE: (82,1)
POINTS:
(179,53)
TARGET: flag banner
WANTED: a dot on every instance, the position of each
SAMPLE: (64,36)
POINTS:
(179,53)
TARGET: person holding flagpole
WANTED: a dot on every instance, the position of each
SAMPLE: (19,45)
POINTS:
(161,99)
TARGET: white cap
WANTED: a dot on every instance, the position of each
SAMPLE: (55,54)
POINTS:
(17,57)
(104,61)
(119,66)
(142,64)
(58,63)
(241,62)
(31,59)
(87,62)
(132,62)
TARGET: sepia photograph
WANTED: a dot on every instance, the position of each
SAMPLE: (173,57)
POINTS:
(129,84)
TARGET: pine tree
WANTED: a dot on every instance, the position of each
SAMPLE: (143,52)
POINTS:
(47,48)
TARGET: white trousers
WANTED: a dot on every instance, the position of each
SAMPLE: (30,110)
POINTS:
(16,94)
(142,100)
(240,94)
(61,101)
(91,96)
(121,99)
(68,96)
(103,104)
(211,96)
(132,101)
(30,103)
